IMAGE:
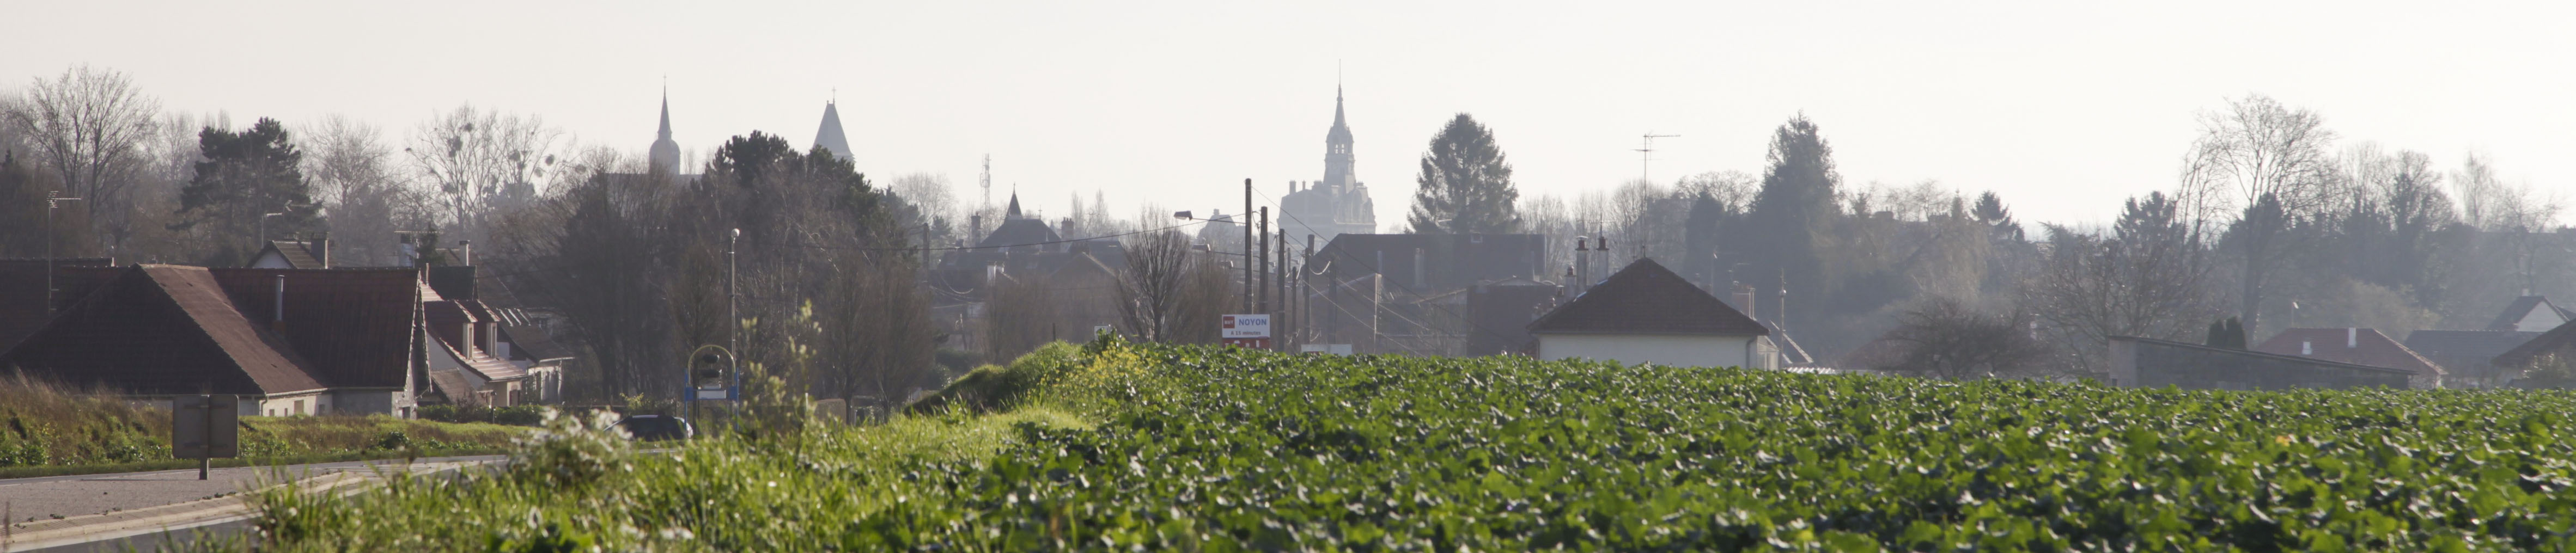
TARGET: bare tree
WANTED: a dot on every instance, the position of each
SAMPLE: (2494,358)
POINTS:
(365,196)
(2477,190)
(2148,279)
(480,161)
(87,126)
(1018,316)
(1150,287)
(2273,158)
(1947,339)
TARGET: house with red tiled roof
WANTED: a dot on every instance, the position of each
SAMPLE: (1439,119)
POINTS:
(2358,346)
(289,341)
(1647,314)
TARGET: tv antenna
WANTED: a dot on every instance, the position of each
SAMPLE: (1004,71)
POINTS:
(1646,154)
(987,180)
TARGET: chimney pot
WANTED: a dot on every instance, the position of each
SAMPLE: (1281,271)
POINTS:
(2351,337)
(277,319)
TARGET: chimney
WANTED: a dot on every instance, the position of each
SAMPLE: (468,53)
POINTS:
(1743,295)
(2351,337)
(277,320)
(1417,269)
(322,251)
(2307,347)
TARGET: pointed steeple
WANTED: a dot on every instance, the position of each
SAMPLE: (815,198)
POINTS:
(1337,148)
(1013,212)
(665,134)
(665,155)
(829,136)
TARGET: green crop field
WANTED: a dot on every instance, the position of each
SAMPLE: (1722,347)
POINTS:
(1139,447)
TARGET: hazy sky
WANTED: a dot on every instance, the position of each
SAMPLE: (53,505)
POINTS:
(2063,107)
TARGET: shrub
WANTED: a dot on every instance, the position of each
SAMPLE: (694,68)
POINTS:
(996,387)
(515,415)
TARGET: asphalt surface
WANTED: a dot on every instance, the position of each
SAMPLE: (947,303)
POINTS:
(37,503)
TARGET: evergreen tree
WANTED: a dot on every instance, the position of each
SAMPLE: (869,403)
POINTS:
(2226,333)
(1991,211)
(245,176)
(1700,233)
(1465,185)
(1794,215)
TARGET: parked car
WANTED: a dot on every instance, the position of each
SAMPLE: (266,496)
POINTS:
(655,428)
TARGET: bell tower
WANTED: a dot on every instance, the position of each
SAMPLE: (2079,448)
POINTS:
(1337,149)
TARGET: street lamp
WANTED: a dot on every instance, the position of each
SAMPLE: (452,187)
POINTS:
(53,199)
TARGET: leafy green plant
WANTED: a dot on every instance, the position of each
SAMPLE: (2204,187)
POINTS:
(1149,447)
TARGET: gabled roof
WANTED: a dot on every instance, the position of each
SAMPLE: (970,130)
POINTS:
(2556,340)
(22,295)
(1019,232)
(2456,344)
(2521,307)
(164,329)
(1646,298)
(1081,267)
(2369,348)
(296,254)
(354,324)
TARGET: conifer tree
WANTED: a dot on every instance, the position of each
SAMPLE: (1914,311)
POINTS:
(1465,185)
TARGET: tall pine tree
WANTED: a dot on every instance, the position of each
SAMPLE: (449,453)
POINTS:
(1465,185)
(246,176)
(1793,216)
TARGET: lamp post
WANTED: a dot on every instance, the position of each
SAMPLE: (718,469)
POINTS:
(53,199)
(733,323)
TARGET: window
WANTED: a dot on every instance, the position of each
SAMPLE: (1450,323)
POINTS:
(299,407)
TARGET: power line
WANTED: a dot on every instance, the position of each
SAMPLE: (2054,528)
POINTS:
(1398,284)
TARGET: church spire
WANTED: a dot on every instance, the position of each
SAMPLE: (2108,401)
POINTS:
(1337,148)
(666,114)
(1012,213)
(665,154)
(829,136)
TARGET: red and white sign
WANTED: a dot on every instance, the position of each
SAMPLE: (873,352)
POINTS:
(1246,326)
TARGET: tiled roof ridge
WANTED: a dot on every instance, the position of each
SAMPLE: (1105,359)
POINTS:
(229,314)
(2357,333)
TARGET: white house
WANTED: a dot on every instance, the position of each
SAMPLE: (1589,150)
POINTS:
(1646,314)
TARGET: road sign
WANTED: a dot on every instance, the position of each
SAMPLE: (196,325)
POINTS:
(728,393)
(1246,326)
(204,427)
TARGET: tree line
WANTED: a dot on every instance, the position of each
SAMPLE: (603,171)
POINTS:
(2272,219)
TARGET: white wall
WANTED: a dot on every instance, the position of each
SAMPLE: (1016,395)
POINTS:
(1662,349)
(2539,319)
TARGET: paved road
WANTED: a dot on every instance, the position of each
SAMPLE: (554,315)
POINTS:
(101,511)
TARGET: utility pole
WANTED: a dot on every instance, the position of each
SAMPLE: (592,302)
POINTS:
(52,200)
(1263,250)
(1646,154)
(1247,244)
(733,323)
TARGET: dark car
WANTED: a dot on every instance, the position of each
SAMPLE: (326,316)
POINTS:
(655,428)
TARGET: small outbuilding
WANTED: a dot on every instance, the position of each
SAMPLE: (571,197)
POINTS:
(1646,314)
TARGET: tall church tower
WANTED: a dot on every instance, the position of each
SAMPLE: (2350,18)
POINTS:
(1337,205)
(829,136)
(665,155)
(1337,148)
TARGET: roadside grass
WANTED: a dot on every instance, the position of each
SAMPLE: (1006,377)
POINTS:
(578,483)
(50,429)
(48,423)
